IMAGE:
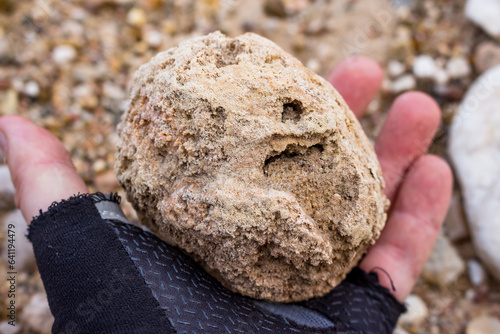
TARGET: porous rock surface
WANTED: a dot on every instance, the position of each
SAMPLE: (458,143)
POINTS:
(252,164)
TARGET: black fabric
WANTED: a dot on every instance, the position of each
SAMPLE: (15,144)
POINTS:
(157,289)
(360,305)
(92,284)
(195,302)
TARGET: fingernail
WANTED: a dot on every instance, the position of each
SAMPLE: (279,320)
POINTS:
(3,147)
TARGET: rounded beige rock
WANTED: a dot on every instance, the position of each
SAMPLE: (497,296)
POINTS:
(252,164)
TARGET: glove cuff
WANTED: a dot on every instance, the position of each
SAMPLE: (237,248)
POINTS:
(92,284)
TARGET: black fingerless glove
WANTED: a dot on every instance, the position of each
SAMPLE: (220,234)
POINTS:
(104,275)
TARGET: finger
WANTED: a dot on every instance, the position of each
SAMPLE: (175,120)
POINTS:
(413,226)
(41,169)
(405,136)
(358,80)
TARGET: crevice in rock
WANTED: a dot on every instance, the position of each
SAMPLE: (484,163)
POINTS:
(290,152)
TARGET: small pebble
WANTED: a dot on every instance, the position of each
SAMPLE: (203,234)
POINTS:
(314,65)
(63,54)
(136,17)
(416,312)
(25,258)
(444,265)
(36,316)
(424,67)
(458,67)
(32,89)
(395,68)
(6,328)
(441,77)
(477,274)
(7,191)
(153,38)
(99,166)
(404,83)
(487,55)
(470,294)
(484,325)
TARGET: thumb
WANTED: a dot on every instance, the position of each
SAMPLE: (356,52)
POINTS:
(41,169)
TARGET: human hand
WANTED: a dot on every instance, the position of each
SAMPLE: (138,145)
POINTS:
(418,185)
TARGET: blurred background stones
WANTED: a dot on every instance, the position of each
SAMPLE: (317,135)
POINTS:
(67,65)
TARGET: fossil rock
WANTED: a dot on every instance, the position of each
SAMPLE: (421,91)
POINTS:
(252,164)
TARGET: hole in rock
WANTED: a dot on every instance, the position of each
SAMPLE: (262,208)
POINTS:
(292,111)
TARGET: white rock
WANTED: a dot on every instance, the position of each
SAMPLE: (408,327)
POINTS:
(416,312)
(404,83)
(32,89)
(485,13)
(112,91)
(458,67)
(6,328)
(444,265)
(7,190)
(24,256)
(441,77)
(424,67)
(477,275)
(63,54)
(470,294)
(153,38)
(17,84)
(313,64)
(136,17)
(484,325)
(36,315)
(474,147)
(395,68)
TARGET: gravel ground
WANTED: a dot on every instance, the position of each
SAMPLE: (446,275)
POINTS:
(67,64)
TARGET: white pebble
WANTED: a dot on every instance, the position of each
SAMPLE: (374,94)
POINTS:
(113,91)
(484,13)
(25,258)
(444,265)
(484,325)
(32,89)
(416,312)
(6,328)
(395,68)
(313,64)
(153,38)
(470,294)
(7,191)
(17,84)
(136,17)
(458,67)
(424,67)
(477,275)
(441,77)
(63,54)
(404,83)
(36,315)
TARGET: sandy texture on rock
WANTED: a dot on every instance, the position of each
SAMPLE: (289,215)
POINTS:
(252,164)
